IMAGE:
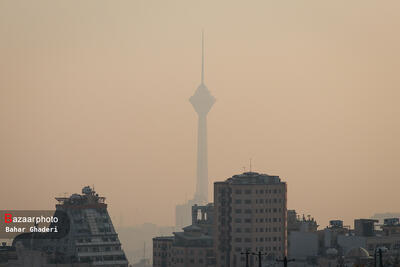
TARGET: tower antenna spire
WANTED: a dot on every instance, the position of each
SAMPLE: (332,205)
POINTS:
(202,56)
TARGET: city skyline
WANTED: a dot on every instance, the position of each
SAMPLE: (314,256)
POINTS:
(309,93)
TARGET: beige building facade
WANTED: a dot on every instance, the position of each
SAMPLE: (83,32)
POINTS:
(250,215)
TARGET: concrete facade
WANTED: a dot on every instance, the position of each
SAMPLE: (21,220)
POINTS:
(303,245)
(250,215)
(193,247)
(162,251)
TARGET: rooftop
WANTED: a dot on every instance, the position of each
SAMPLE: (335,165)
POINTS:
(88,196)
(253,178)
(164,238)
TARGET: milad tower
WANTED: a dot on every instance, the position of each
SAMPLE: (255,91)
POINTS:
(202,102)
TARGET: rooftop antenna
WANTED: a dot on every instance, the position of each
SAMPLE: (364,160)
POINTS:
(244,169)
(250,165)
(202,56)
(144,250)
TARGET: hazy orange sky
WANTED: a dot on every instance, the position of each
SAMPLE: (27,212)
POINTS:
(96,92)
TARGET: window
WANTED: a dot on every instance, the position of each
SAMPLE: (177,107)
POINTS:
(238,220)
(238,201)
(238,191)
(247,192)
(238,211)
(247,201)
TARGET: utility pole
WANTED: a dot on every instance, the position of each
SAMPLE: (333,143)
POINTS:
(259,258)
(379,251)
(285,261)
(247,253)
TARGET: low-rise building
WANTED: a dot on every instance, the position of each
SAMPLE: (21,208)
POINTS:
(193,247)
(302,239)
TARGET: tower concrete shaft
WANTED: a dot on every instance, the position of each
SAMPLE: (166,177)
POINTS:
(202,161)
(202,102)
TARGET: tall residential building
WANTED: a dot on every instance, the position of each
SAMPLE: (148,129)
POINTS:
(91,237)
(250,215)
